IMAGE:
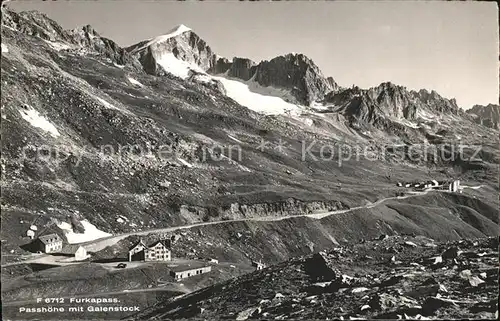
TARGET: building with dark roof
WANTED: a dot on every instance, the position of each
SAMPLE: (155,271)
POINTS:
(49,243)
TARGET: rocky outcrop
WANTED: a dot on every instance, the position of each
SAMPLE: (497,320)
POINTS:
(221,66)
(242,68)
(207,82)
(297,73)
(375,279)
(488,116)
(36,24)
(87,37)
(333,84)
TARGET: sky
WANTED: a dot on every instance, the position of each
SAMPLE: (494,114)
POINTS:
(451,47)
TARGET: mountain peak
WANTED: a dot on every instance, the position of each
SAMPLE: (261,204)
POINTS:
(172,33)
(175,31)
(178,46)
(179,29)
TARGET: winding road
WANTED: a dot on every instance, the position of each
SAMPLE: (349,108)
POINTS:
(99,244)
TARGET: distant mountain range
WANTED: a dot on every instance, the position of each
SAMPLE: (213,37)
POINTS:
(181,52)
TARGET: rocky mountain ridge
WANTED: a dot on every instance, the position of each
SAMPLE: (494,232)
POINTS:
(388,100)
(37,24)
(302,78)
(295,73)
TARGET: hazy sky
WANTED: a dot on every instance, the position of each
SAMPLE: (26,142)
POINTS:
(451,47)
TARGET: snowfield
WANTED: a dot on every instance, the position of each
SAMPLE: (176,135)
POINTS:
(91,232)
(4,48)
(258,98)
(175,66)
(264,100)
(36,120)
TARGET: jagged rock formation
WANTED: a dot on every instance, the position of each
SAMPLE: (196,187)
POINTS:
(221,66)
(436,102)
(297,73)
(242,68)
(333,84)
(388,101)
(37,24)
(488,115)
(87,37)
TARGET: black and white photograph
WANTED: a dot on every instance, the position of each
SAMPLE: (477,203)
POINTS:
(249,160)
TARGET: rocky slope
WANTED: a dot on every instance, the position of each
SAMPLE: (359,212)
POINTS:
(401,277)
(488,116)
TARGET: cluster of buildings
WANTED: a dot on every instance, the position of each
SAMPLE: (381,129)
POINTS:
(450,186)
(161,251)
(158,251)
(52,243)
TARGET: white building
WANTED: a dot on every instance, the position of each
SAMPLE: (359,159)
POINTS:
(181,272)
(75,250)
(49,243)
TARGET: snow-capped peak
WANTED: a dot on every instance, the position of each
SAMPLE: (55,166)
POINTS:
(178,30)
